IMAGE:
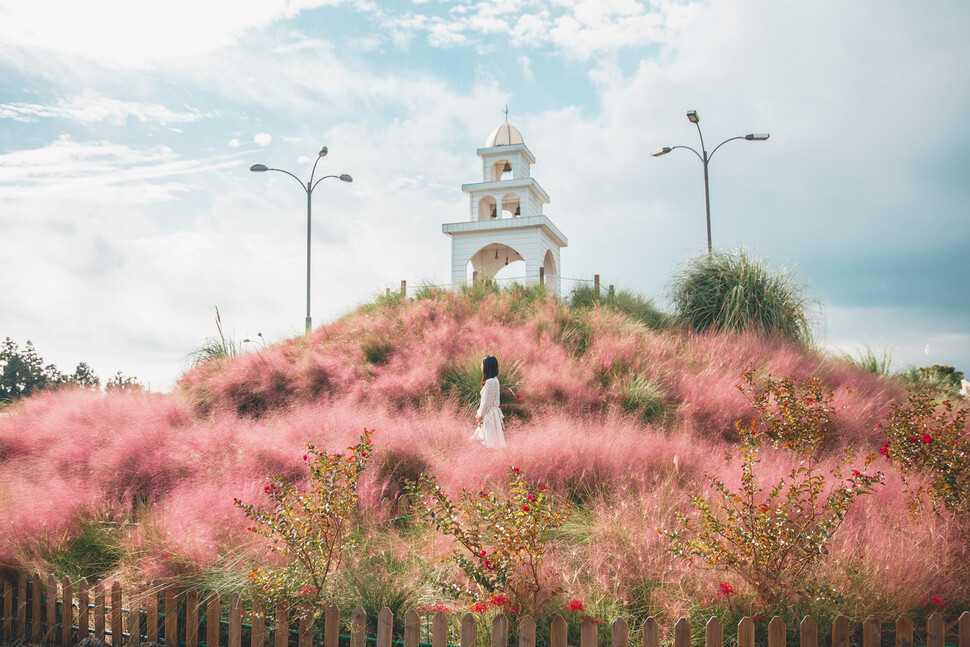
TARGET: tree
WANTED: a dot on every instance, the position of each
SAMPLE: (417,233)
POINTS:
(23,372)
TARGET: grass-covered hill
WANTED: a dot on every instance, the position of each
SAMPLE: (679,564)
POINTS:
(609,405)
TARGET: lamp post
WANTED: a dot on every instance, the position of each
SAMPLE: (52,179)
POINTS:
(308,187)
(695,119)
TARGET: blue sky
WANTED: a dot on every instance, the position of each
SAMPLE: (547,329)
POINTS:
(127,211)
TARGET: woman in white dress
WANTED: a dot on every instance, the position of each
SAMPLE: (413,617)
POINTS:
(489,415)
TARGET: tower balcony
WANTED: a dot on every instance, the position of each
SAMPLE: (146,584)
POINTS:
(506,224)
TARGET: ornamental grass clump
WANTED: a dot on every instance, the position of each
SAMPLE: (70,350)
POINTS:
(311,530)
(503,540)
(772,535)
(732,291)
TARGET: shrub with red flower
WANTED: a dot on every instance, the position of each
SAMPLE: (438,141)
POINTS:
(503,538)
(725,590)
(771,534)
(309,529)
(938,446)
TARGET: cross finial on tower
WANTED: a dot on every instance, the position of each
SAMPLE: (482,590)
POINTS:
(506,111)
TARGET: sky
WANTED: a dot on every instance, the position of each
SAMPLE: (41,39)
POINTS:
(127,129)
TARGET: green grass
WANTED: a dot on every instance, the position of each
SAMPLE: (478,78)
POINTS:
(93,552)
(869,361)
(643,397)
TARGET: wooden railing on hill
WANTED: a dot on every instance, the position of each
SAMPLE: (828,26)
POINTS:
(39,611)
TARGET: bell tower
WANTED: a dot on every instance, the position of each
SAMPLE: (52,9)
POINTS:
(505,221)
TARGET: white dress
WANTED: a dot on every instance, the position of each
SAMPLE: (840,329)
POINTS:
(490,433)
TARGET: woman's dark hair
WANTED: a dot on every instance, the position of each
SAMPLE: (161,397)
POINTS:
(489,368)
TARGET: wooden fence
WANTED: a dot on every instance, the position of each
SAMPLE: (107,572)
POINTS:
(42,611)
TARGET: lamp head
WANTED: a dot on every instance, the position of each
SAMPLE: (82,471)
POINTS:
(661,151)
(757,137)
(693,116)
(346,178)
(258,168)
(323,152)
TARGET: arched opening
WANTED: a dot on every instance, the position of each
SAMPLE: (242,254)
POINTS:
(550,272)
(486,208)
(501,170)
(494,261)
(511,206)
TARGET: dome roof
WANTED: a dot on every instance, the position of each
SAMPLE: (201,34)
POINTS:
(504,135)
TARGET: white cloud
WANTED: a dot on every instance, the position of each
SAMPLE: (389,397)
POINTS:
(262,139)
(234,143)
(124,35)
(91,108)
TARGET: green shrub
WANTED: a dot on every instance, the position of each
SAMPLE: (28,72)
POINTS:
(92,553)
(629,303)
(463,378)
(732,291)
(869,361)
(640,395)
(944,380)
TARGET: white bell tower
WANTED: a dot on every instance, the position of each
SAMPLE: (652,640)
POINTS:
(506,222)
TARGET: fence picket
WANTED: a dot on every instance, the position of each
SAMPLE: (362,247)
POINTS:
(235,620)
(807,633)
(99,610)
(904,631)
(117,633)
(150,603)
(35,607)
(134,623)
(557,637)
(527,632)
(964,627)
(358,627)
(871,633)
(439,630)
(650,633)
(171,618)
(714,633)
(500,631)
(412,629)
(192,618)
(331,627)
(620,633)
(776,632)
(67,612)
(587,633)
(682,633)
(83,609)
(840,631)
(469,631)
(213,614)
(50,623)
(7,609)
(385,627)
(746,632)
(258,635)
(281,632)
(306,628)
(934,630)
(22,606)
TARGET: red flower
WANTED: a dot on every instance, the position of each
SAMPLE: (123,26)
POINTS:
(856,473)
(479,607)
(885,449)
(763,507)
(937,600)
(810,400)
(598,620)
(482,554)
(726,590)
(575,605)
(525,508)
(304,457)
(267,488)
(531,497)
(914,439)
(515,470)
(927,439)
(499,600)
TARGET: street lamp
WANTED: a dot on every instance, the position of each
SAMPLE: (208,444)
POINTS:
(308,187)
(695,119)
